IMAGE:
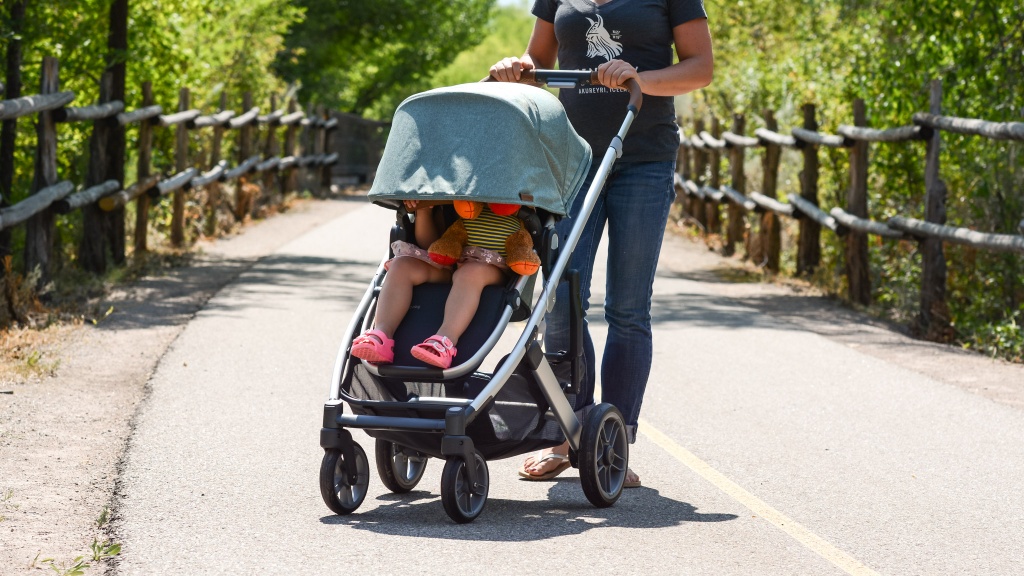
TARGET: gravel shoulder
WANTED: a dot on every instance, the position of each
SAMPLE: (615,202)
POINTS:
(63,436)
(64,428)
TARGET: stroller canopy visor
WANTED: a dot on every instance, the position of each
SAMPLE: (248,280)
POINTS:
(486,141)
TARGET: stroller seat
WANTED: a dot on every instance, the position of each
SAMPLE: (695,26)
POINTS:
(427,312)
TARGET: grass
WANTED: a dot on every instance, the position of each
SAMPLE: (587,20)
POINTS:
(99,550)
(6,505)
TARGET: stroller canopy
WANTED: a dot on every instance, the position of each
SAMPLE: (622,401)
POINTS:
(486,141)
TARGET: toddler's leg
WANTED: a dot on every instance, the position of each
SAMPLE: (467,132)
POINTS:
(468,283)
(396,293)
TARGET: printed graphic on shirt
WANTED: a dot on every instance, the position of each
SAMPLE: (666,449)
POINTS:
(600,42)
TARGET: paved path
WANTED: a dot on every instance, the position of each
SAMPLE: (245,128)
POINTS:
(780,435)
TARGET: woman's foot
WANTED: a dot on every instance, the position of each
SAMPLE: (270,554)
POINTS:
(546,464)
(551,462)
(632,480)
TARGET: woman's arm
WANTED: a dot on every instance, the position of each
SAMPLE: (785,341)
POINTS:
(541,52)
(694,70)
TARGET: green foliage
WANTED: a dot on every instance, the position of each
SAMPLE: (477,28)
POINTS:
(507,34)
(75,567)
(777,56)
(364,57)
(104,549)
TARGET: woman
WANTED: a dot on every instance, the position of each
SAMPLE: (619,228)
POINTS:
(622,39)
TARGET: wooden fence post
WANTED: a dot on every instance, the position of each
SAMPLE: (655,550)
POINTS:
(771,233)
(288,180)
(92,248)
(698,208)
(857,273)
(213,189)
(933,320)
(142,171)
(39,233)
(715,156)
(181,163)
(8,130)
(318,150)
(325,168)
(809,247)
(738,181)
(271,148)
(244,143)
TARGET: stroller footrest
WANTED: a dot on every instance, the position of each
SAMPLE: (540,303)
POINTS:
(390,423)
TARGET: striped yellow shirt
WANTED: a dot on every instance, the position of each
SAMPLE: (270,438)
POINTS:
(488,230)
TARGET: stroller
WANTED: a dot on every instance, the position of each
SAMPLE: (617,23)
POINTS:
(441,144)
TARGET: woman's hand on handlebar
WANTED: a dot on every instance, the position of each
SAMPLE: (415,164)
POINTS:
(615,73)
(510,69)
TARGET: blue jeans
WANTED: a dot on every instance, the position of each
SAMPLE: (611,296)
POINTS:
(634,205)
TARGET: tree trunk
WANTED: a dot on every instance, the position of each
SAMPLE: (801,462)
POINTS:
(142,171)
(117,53)
(8,131)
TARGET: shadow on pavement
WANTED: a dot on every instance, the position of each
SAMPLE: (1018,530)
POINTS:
(566,512)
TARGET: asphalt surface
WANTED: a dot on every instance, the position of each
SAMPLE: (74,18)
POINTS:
(772,442)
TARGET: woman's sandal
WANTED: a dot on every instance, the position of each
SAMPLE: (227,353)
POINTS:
(438,351)
(563,464)
(375,347)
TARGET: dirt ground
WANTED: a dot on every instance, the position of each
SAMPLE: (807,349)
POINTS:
(68,395)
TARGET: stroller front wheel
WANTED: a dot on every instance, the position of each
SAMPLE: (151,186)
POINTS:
(342,492)
(604,455)
(400,469)
(463,502)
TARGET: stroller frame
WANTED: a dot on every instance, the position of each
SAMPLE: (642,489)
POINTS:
(344,472)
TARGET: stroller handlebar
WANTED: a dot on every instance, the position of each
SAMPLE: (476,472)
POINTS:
(573,78)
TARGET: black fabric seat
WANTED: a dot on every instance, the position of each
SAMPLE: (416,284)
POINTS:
(426,313)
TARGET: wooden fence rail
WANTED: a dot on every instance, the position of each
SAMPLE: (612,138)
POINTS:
(105,197)
(851,221)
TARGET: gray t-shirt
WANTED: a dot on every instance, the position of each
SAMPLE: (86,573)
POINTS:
(638,32)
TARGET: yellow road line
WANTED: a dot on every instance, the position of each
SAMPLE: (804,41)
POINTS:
(811,541)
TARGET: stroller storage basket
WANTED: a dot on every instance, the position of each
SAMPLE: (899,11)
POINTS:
(514,420)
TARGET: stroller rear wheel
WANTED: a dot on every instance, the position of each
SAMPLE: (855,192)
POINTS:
(603,455)
(342,493)
(400,469)
(463,502)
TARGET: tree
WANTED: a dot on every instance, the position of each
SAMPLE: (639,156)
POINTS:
(361,56)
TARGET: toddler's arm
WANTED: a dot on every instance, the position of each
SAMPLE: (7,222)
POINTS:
(425,228)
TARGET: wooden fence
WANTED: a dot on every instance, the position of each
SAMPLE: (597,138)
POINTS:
(282,164)
(703,194)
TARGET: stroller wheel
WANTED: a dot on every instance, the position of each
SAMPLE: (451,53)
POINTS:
(462,503)
(342,494)
(400,469)
(604,455)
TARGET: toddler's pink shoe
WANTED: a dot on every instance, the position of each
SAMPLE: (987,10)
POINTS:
(438,351)
(375,347)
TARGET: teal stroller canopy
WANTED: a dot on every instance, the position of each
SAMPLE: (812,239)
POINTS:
(486,141)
